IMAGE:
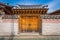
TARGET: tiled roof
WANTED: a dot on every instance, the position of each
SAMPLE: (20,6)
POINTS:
(3,4)
(30,6)
(57,12)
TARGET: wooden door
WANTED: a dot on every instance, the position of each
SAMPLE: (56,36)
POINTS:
(28,24)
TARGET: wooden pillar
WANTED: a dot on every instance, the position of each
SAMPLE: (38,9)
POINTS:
(40,24)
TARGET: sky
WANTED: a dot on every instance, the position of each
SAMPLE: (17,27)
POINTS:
(53,5)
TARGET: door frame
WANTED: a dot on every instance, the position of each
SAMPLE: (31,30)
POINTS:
(39,23)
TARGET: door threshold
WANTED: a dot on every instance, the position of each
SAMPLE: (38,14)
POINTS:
(29,33)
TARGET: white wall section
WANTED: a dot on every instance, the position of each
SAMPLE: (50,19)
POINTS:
(50,26)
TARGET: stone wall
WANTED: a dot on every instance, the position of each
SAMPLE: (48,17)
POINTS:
(8,26)
(51,26)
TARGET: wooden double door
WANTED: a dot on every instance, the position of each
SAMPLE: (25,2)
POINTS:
(28,24)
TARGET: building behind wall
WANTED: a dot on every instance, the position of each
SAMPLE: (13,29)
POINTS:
(51,23)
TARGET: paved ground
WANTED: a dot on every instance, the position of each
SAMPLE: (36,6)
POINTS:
(30,37)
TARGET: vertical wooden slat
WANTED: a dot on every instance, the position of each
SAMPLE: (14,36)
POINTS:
(25,21)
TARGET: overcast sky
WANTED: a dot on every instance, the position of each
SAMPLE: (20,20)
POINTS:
(52,4)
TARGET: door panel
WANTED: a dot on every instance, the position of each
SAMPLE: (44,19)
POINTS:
(28,24)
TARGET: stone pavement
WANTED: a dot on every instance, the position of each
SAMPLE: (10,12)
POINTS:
(30,37)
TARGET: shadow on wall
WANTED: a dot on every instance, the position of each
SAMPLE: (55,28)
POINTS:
(11,37)
(2,38)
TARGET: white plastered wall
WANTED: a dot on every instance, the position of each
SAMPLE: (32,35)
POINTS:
(50,26)
(8,26)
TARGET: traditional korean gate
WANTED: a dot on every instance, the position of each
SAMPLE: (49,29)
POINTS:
(28,24)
